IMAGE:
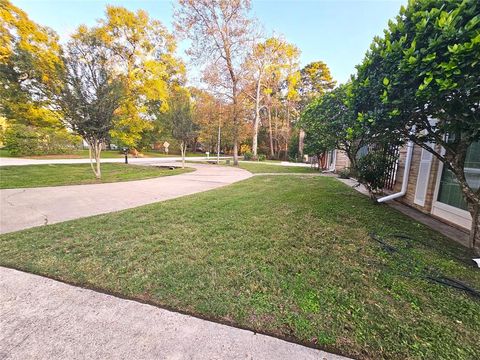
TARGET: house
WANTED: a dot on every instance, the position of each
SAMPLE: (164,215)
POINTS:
(430,187)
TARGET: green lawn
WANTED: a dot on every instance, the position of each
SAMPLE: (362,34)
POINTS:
(74,174)
(265,167)
(288,256)
(105,154)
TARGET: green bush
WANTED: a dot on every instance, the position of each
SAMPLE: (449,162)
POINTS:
(345,173)
(371,171)
(247,155)
(23,140)
(262,157)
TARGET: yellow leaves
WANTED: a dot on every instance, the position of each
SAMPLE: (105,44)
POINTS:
(18,32)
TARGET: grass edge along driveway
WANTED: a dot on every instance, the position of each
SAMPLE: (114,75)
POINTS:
(289,256)
(26,176)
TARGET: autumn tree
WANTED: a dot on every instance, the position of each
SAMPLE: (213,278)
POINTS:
(143,52)
(421,82)
(209,116)
(92,93)
(219,31)
(30,77)
(267,59)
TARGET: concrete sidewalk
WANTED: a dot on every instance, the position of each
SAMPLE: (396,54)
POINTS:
(45,319)
(30,207)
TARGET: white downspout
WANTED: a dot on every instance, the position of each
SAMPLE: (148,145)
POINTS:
(406,173)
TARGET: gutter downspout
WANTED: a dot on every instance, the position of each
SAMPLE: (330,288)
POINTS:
(406,173)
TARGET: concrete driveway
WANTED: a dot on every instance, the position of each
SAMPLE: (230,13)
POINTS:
(30,207)
(45,319)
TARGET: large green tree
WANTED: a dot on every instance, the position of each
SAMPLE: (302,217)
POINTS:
(315,80)
(421,81)
(331,123)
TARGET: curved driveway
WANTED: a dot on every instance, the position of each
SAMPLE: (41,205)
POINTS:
(30,207)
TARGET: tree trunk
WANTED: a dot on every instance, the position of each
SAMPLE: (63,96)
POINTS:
(319,161)
(301,139)
(97,159)
(474,238)
(287,132)
(218,141)
(94,148)
(272,152)
(256,121)
(235,150)
(183,149)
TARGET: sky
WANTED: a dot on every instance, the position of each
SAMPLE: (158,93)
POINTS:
(337,32)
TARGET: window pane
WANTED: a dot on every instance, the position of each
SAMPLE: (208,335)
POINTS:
(449,191)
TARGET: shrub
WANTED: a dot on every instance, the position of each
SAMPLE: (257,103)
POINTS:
(262,157)
(345,173)
(247,156)
(245,148)
(29,140)
(372,170)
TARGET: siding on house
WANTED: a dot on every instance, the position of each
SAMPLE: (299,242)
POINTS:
(409,198)
(427,189)
(341,161)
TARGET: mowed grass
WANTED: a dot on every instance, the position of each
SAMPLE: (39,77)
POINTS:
(75,174)
(105,154)
(290,256)
(266,168)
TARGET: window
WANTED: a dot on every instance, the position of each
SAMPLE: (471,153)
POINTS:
(449,191)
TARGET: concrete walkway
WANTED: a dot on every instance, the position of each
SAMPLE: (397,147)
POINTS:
(30,207)
(451,232)
(45,319)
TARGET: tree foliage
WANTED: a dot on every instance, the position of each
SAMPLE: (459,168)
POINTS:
(331,123)
(315,80)
(219,31)
(92,93)
(30,68)
(143,51)
(180,119)
(421,81)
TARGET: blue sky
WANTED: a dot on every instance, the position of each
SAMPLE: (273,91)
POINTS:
(337,32)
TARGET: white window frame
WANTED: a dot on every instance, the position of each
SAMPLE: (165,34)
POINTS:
(421,194)
(450,213)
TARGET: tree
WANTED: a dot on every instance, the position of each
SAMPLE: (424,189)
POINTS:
(266,58)
(92,92)
(30,69)
(315,80)
(143,51)
(219,31)
(421,81)
(181,119)
(330,122)
(209,118)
